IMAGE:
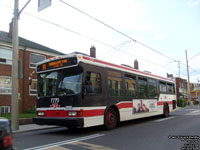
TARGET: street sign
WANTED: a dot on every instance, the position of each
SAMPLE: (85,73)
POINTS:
(43,4)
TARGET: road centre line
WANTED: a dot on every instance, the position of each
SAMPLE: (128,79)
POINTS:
(65,142)
(160,120)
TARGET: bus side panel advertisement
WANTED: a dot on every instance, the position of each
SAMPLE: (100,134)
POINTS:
(140,106)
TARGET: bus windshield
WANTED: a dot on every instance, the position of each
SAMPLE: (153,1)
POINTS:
(60,83)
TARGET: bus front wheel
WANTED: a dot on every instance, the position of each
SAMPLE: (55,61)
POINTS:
(110,119)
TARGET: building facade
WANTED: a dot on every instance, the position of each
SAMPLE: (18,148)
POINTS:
(182,91)
(181,88)
(195,94)
(29,54)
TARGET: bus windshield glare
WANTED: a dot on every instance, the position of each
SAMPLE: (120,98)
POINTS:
(60,83)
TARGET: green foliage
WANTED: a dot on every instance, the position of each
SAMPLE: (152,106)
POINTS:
(181,102)
(24,115)
(31,110)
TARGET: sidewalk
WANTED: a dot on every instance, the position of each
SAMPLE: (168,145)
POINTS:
(33,127)
(192,106)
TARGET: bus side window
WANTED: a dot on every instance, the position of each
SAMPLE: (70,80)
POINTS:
(142,88)
(170,88)
(115,86)
(130,86)
(153,91)
(162,87)
(93,83)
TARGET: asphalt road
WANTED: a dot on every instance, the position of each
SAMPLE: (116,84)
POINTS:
(180,130)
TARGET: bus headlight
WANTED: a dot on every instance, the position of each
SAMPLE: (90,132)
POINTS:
(40,113)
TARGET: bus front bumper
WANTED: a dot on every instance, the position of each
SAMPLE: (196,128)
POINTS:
(60,121)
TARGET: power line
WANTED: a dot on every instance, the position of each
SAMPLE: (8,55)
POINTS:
(103,43)
(134,40)
(194,56)
(97,20)
(90,38)
(113,50)
(190,68)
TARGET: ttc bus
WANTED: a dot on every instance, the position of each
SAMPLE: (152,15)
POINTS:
(79,91)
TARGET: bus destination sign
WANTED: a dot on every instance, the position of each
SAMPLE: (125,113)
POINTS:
(60,63)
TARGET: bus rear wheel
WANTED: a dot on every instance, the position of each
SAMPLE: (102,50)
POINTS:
(166,111)
(110,119)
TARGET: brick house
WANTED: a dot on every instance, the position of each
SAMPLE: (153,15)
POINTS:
(29,54)
(195,87)
(181,88)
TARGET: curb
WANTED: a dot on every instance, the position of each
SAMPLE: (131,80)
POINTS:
(35,129)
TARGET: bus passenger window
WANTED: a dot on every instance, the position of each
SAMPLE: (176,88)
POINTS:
(142,90)
(163,87)
(93,83)
(130,86)
(170,88)
(115,86)
(153,91)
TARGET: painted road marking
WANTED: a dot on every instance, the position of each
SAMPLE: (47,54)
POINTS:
(160,120)
(65,142)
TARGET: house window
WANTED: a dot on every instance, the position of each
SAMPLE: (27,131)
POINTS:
(4,109)
(35,58)
(5,85)
(33,88)
(5,56)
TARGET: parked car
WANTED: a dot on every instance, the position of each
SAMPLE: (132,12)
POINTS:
(6,136)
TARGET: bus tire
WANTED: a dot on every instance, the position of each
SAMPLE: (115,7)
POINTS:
(110,119)
(166,110)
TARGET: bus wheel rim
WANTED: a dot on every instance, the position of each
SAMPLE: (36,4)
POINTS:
(110,118)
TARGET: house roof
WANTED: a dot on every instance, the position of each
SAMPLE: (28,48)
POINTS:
(4,37)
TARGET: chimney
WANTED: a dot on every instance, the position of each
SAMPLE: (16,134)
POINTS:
(93,51)
(136,65)
(170,76)
(10,29)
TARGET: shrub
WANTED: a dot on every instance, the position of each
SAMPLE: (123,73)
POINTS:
(181,102)
(31,110)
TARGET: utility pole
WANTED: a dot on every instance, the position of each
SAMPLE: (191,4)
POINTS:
(188,76)
(179,69)
(14,97)
(15,88)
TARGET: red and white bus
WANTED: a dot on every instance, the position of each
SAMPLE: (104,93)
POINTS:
(77,90)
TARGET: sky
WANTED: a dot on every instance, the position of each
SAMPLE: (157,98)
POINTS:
(167,28)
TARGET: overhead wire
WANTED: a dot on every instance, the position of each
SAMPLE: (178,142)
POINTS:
(116,30)
(103,43)
(90,38)
(114,50)
(194,56)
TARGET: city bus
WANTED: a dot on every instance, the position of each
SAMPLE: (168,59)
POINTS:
(78,91)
